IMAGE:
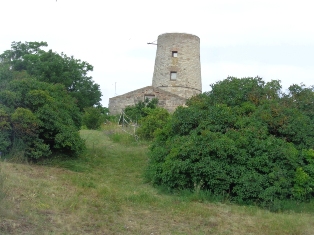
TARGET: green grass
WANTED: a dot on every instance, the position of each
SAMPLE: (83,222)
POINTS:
(2,188)
(103,192)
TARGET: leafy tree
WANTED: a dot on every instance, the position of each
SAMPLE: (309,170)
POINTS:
(5,130)
(93,117)
(42,95)
(149,116)
(155,120)
(51,67)
(245,140)
(40,118)
(25,126)
(137,111)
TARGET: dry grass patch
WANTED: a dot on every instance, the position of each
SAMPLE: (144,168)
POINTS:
(103,192)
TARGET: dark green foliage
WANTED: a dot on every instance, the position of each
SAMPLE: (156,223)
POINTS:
(93,117)
(41,117)
(234,91)
(149,116)
(25,126)
(155,120)
(51,67)
(244,140)
(137,111)
(5,130)
(42,95)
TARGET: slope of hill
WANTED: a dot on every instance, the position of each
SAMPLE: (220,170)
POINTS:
(103,192)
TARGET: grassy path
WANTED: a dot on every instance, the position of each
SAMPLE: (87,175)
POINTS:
(103,192)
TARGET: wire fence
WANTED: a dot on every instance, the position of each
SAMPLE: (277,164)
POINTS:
(127,125)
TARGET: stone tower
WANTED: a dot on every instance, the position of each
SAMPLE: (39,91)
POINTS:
(177,64)
(177,74)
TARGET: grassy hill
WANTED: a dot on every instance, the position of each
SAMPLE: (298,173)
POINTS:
(103,192)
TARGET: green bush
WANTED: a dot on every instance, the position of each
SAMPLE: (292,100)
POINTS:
(42,97)
(5,131)
(93,118)
(136,112)
(42,118)
(244,140)
(154,121)
(47,66)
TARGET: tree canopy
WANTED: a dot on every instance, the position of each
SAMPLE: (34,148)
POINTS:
(51,67)
(245,140)
(42,97)
(39,118)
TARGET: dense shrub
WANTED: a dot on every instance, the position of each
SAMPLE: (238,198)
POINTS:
(139,110)
(39,118)
(42,97)
(51,67)
(149,116)
(93,117)
(153,122)
(245,140)
(5,130)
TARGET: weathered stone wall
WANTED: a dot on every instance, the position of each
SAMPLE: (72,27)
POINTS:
(186,64)
(166,99)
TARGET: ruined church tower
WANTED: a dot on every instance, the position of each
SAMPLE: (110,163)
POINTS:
(177,64)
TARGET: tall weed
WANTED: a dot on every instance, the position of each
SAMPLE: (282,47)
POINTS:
(121,134)
(2,189)
(17,152)
(122,138)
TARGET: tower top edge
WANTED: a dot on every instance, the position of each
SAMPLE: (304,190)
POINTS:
(178,34)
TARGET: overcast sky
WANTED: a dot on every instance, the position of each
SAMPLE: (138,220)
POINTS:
(273,39)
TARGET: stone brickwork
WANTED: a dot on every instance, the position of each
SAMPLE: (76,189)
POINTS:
(179,53)
(166,99)
(177,74)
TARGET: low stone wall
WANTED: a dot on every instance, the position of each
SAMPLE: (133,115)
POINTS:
(166,99)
